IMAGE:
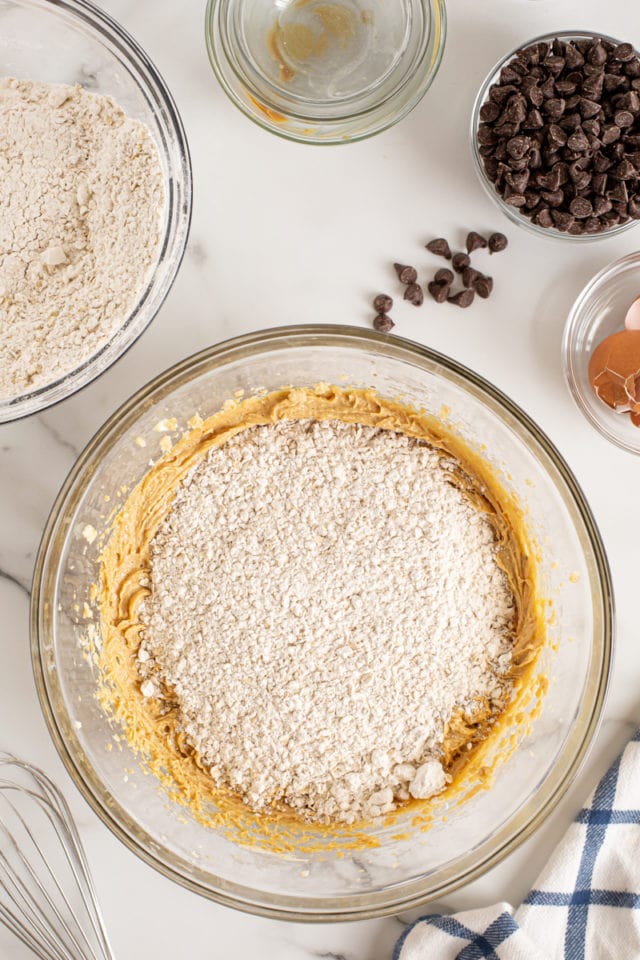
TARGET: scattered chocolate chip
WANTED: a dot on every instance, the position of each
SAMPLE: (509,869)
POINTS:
(382,303)
(483,286)
(460,260)
(405,273)
(469,275)
(475,241)
(443,276)
(383,323)
(464,298)
(414,294)
(438,290)
(440,248)
(497,243)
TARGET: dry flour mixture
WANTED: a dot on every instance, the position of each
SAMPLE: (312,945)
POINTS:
(324,600)
(82,200)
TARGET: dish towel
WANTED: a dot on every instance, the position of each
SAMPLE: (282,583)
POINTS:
(584,906)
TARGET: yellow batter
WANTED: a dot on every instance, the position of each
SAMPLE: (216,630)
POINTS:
(152,728)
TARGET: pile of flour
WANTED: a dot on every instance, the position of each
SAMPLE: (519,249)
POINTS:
(82,201)
(323,600)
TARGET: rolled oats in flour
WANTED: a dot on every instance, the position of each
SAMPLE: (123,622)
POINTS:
(82,201)
(323,600)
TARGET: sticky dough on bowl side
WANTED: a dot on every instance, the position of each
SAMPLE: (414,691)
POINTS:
(153,731)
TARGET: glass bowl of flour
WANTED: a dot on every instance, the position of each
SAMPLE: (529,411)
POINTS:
(96,198)
(389,863)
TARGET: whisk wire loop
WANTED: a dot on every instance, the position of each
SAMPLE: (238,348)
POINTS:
(47,896)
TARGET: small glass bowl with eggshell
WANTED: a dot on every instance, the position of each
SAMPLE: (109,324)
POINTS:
(601,352)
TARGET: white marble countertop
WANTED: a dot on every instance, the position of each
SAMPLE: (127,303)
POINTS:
(284,233)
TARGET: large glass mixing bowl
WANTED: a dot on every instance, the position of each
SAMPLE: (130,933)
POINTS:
(409,865)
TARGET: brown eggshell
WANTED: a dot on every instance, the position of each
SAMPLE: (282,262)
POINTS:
(614,370)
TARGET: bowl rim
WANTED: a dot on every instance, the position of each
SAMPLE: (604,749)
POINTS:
(608,272)
(265,117)
(411,893)
(511,212)
(178,215)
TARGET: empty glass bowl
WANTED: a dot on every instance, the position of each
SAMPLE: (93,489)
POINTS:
(598,312)
(408,865)
(72,41)
(511,212)
(325,71)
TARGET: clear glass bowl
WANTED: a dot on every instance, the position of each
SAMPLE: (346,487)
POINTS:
(72,41)
(598,312)
(512,212)
(409,866)
(325,71)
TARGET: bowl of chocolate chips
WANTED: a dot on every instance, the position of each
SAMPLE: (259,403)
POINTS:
(555,133)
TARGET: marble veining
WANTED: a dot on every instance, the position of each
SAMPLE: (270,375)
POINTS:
(283,233)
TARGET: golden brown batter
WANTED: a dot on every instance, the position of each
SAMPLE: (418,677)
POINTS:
(153,730)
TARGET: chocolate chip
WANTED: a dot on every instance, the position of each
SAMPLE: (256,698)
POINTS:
(439,290)
(382,303)
(518,146)
(414,294)
(589,108)
(580,207)
(624,171)
(554,108)
(618,192)
(475,241)
(562,220)
(556,136)
(610,134)
(489,111)
(593,225)
(597,54)
(464,298)
(573,57)
(578,141)
(497,243)
(513,198)
(444,276)
(405,273)
(601,205)
(483,286)
(469,275)
(623,119)
(383,323)
(460,260)
(543,217)
(624,52)
(440,248)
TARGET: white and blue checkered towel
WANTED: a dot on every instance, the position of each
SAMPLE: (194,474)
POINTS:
(584,906)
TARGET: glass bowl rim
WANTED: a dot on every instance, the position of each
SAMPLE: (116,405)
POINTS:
(412,893)
(608,272)
(511,212)
(340,134)
(104,26)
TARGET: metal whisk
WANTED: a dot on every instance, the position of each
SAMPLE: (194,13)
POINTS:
(47,897)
